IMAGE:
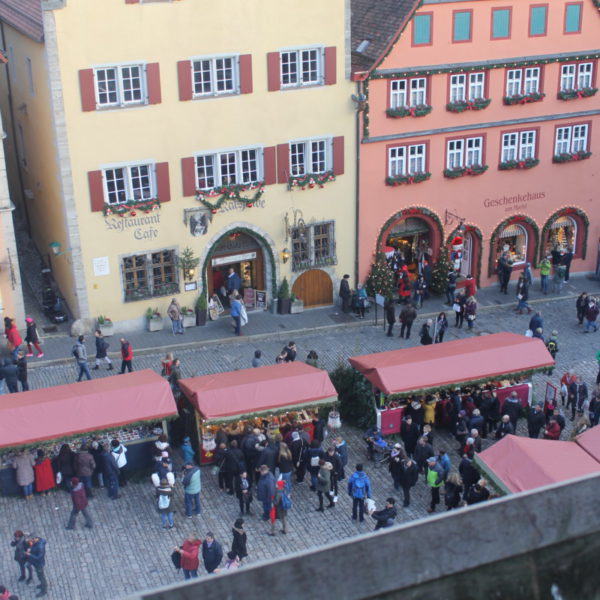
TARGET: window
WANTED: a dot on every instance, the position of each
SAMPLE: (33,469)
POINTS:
(313,245)
(422,29)
(301,67)
(514,240)
(576,76)
(571,139)
(538,20)
(467,87)
(406,160)
(228,168)
(147,275)
(215,76)
(501,23)
(518,145)
(462,26)
(408,92)
(573,18)
(127,183)
(310,156)
(120,86)
(523,81)
(466,152)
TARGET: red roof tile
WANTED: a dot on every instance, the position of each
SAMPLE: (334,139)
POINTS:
(25,16)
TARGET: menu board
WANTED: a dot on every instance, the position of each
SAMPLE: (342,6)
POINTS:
(260,299)
(249,296)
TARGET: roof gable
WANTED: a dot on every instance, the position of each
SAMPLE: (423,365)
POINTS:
(25,16)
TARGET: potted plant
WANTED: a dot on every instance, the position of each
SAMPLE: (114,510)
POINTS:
(285,302)
(189,316)
(105,325)
(297,305)
(201,308)
(188,262)
(154,319)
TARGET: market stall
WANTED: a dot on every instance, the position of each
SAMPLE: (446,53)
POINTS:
(131,408)
(504,360)
(265,397)
(590,442)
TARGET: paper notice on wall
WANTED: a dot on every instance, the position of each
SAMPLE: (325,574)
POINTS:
(101,266)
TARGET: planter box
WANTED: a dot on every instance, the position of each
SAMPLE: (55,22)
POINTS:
(189,320)
(107,329)
(200,317)
(154,324)
(297,307)
(283,306)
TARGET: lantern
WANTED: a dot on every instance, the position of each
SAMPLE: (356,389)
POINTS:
(334,421)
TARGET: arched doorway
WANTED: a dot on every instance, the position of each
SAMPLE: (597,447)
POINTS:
(472,251)
(314,287)
(517,236)
(566,229)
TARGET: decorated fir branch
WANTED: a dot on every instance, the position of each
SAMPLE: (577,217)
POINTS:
(420,110)
(407,179)
(311,180)
(523,98)
(463,105)
(131,206)
(527,163)
(571,156)
(230,192)
(381,279)
(585,92)
(457,172)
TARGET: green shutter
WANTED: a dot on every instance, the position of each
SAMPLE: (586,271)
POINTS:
(462,26)
(538,20)
(501,23)
(422,29)
(573,18)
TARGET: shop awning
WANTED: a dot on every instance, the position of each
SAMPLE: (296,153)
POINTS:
(477,359)
(590,442)
(100,404)
(516,464)
(236,394)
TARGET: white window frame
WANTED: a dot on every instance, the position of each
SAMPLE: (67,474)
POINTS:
(308,147)
(461,152)
(418,91)
(218,156)
(519,145)
(398,93)
(409,91)
(397,161)
(476,82)
(120,91)
(523,81)
(455,155)
(297,54)
(128,177)
(585,75)
(458,87)
(571,139)
(405,160)
(531,80)
(235,68)
(514,82)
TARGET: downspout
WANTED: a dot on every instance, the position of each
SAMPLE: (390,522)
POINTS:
(357,183)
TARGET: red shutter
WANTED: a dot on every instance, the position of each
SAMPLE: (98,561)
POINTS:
(338,155)
(184,73)
(153,83)
(163,187)
(283,163)
(330,66)
(246,74)
(273,71)
(96,190)
(270,165)
(188,173)
(132,1)
(86,87)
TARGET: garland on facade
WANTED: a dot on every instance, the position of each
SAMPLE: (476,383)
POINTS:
(407,179)
(311,180)
(131,206)
(596,4)
(471,229)
(571,156)
(457,172)
(511,221)
(365,112)
(414,211)
(585,92)
(463,105)
(564,212)
(231,192)
(528,163)
(420,110)
(523,98)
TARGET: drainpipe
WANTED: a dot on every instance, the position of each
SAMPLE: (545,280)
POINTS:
(357,183)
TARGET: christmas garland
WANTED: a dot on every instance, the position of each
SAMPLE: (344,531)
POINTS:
(523,98)
(585,92)
(414,211)
(457,172)
(311,180)
(471,229)
(528,163)
(231,192)
(596,4)
(463,105)
(563,212)
(130,207)
(510,221)
(413,111)
(571,156)
(407,179)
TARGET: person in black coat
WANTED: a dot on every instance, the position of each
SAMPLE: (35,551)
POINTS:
(395,467)
(212,553)
(453,490)
(536,421)
(478,493)
(299,449)
(9,374)
(409,432)
(422,453)
(345,293)
(268,456)
(224,476)
(243,491)
(313,456)
(331,456)
(22,370)
(409,475)
(390,315)
(65,464)
(101,348)
(239,539)
(386,516)
(504,428)
(512,408)
(469,474)
(236,463)
(319,428)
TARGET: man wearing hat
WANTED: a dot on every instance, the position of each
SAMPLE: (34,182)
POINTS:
(80,503)
(435,478)
(536,420)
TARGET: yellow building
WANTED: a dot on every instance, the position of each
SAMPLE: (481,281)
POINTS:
(146,127)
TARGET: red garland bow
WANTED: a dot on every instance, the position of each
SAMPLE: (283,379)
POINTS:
(521,164)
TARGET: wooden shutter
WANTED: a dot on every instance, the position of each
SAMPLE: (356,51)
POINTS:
(283,163)
(163,186)
(330,66)
(188,173)
(88,92)
(270,165)
(96,190)
(246,74)
(338,155)
(153,83)
(132,1)
(273,75)
(184,74)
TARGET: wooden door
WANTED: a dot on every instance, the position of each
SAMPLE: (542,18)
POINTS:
(314,287)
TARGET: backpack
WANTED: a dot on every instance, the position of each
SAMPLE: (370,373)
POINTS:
(286,501)
(358,487)
(552,347)
(75,351)
(163,502)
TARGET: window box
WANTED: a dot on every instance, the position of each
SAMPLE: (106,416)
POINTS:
(154,320)
(407,179)
(140,293)
(297,306)
(571,156)
(527,163)
(463,105)
(462,171)
(188,316)
(413,111)
(105,325)
(586,92)
(131,206)
(523,98)
(166,289)
(311,180)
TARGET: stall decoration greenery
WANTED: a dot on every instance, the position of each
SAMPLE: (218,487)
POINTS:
(407,179)
(463,105)
(439,275)
(381,279)
(231,192)
(311,180)
(528,163)
(420,110)
(457,172)
(131,206)
(355,396)
(501,226)
(571,156)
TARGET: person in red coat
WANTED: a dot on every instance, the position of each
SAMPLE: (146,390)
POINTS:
(44,474)
(126,355)
(470,287)
(80,503)
(552,430)
(189,556)
(14,338)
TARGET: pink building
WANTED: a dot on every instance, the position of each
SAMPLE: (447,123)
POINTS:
(480,112)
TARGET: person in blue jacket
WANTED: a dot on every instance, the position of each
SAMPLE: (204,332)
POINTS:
(359,488)
(187,451)
(36,557)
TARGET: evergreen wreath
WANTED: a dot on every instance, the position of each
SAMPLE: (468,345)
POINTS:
(311,180)
(463,105)
(413,211)
(565,212)
(231,192)
(131,206)
(510,221)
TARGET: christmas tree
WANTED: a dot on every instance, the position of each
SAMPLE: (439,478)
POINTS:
(381,279)
(439,276)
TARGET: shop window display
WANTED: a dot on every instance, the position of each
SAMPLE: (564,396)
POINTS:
(562,235)
(514,240)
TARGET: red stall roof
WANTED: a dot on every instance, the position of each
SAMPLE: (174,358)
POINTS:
(64,410)
(517,463)
(453,363)
(228,396)
(590,442)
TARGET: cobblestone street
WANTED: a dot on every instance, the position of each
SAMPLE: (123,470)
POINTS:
(128,550)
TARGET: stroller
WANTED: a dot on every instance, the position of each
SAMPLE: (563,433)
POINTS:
(378,450)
